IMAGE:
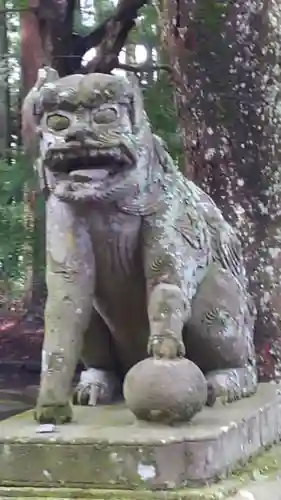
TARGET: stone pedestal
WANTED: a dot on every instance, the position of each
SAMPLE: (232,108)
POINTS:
(106,448)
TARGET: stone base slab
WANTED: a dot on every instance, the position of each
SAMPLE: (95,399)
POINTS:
(82,494)
(106,448)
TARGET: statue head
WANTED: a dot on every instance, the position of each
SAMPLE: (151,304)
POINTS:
(94,138)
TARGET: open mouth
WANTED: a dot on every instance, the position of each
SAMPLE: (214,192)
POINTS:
(90,165)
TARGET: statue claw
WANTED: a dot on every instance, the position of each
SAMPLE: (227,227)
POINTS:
(86,395)
(53,414)
(230,385)
(96,386)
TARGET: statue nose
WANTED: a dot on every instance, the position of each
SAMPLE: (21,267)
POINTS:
(76,134)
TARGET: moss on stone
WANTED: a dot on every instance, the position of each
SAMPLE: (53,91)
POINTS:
(213,493)
(55,414)
(264,466)
(267,463)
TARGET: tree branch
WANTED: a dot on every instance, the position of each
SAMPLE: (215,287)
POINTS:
(108,37)
(111,35)
(144,68)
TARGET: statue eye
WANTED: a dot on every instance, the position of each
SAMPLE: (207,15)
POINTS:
(106,115)
(58,122)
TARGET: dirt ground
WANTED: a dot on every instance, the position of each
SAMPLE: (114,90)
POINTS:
(20,337)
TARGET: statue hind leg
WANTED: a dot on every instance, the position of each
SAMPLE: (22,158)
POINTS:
(219,336)
(100,382)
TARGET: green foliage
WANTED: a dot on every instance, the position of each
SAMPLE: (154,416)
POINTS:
(146,29)
(158,93)
(13,175)
(12,240)
(161,111)
(17,4)
(12,228)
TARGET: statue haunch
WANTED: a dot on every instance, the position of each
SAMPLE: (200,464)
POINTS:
(140,261)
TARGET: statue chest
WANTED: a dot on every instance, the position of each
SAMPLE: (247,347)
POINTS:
(120,289)
(116,240)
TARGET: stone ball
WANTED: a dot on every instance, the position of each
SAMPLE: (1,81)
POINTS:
(163,390)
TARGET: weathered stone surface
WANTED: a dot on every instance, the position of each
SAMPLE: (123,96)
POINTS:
(166,391)
(110,449)
(213,493)
(260,477)
(224,490)
(69,494)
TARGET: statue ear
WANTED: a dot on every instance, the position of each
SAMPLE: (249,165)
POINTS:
(137,101)
(46,75)
(29,109)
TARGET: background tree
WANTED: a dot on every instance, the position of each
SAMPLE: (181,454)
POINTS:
(227,85)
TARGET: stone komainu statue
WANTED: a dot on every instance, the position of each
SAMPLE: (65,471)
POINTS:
(139,259)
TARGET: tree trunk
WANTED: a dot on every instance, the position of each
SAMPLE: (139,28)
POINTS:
(4,87)
(227,77)
(32,57)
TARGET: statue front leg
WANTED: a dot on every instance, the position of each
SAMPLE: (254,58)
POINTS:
(166,387)
(166,300)
(166,318)
(70,283)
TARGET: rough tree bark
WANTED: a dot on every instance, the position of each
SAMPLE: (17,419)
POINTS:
(31,61)
(5,117)
(228,84)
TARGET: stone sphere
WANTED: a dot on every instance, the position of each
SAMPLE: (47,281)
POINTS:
(165,390)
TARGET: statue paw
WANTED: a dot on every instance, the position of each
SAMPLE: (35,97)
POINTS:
(231,384)
(96,386)
(53,414)
(168,347)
